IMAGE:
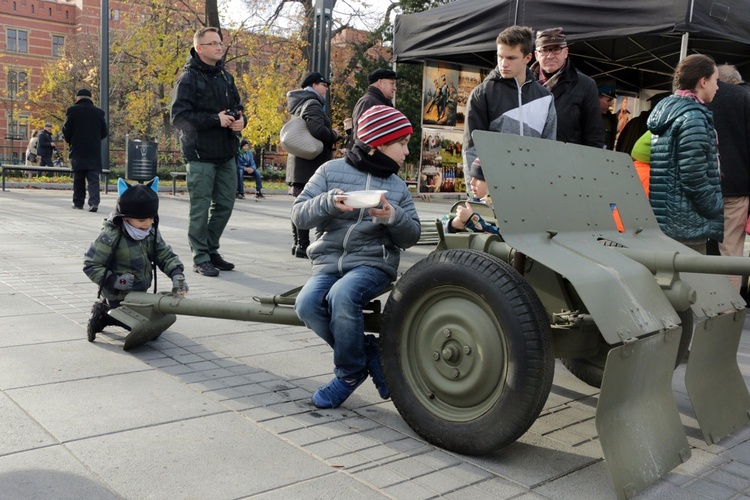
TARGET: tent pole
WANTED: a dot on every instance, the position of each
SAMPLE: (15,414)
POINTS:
(684,46)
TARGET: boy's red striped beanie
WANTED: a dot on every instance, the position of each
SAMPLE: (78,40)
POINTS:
(382,124)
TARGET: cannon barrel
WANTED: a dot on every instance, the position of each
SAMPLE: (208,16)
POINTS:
(661,261)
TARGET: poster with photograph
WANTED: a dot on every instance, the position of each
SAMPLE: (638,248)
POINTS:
(440,94)
(468,78)
(624,109)
(441,169)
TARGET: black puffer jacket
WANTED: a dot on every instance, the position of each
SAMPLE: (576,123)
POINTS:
(200,94)
(309,105)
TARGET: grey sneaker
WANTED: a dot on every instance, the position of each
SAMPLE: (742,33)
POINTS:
(206,269)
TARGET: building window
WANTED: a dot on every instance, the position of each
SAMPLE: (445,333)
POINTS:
(57,45)
(17,84)
(114,14)
(17,41)
(32,8)
(18,127)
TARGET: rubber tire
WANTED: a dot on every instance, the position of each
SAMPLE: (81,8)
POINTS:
(591,370)
(505,378)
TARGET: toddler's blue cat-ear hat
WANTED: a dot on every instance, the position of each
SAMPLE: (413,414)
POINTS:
(139,201)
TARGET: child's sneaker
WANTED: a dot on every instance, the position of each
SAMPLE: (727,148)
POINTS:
(335,392)
(98,320)
(374,368)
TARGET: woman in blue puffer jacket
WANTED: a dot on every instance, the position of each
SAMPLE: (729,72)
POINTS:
(685,190)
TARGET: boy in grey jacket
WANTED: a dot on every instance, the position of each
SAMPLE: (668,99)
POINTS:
(357,251)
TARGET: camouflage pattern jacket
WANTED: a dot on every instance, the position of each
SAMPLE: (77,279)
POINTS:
(129,257)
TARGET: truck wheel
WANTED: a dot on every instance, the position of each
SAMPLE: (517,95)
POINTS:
(467,351)
(591,370)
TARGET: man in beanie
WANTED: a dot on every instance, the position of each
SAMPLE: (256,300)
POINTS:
(309,103)
(357,252)
(124,256)
(509,100)
(466,219)
(575,94)
(207,110)
(84,129)
(382,88)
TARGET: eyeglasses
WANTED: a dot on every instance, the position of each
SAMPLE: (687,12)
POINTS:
(213,44)
(554,51)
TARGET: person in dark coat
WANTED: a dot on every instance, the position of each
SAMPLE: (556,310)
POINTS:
(635,128)
(380,93)
(309,102)
(84,129)
(607,96)
(45,146)
(575,94)
(731,110)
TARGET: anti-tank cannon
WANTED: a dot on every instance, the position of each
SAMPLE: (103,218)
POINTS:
(582,272)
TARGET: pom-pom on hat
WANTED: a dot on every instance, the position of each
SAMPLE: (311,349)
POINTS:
(139,201)
(475,170)
(382,124)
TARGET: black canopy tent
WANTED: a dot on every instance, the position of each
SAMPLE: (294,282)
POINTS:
(635,42)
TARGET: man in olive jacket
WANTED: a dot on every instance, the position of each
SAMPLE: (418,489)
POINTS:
(84,129)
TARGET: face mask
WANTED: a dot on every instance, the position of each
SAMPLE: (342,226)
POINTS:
(134,232)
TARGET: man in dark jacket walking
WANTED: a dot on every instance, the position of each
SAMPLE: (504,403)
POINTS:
(731,110)
(576,97)
(380,93)
(84,129)
(45,146)
(207,111)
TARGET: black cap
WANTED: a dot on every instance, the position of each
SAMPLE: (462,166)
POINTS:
(312,78)
(243,142)
(381,74)
(608,91)
(83,93)
(138,202)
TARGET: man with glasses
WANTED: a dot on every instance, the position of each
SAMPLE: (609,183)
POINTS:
(510,100)
(207,111)
(578,114)
(380,93)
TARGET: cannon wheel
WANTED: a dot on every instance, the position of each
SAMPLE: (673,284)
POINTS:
(467,351)
(591,370)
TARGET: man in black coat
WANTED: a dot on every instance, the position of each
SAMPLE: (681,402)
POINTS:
(380,93)
(731,109)
(45,146)
(576,102)
(84,129)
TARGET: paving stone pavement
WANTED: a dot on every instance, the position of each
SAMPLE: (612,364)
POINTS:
(221,409)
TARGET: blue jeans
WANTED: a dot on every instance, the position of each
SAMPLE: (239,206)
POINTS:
(241,180)
(331,306)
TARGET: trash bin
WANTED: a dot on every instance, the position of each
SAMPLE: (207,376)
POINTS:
(140,160)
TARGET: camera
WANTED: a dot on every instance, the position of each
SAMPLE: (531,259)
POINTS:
(234,113)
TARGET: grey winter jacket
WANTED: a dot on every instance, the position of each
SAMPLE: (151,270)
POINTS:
(346,240)
(309,105)
(685,190)
(499,105)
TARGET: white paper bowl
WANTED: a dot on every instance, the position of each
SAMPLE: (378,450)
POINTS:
(363,199)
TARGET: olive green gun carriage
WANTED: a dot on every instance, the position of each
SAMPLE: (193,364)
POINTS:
(582,272)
